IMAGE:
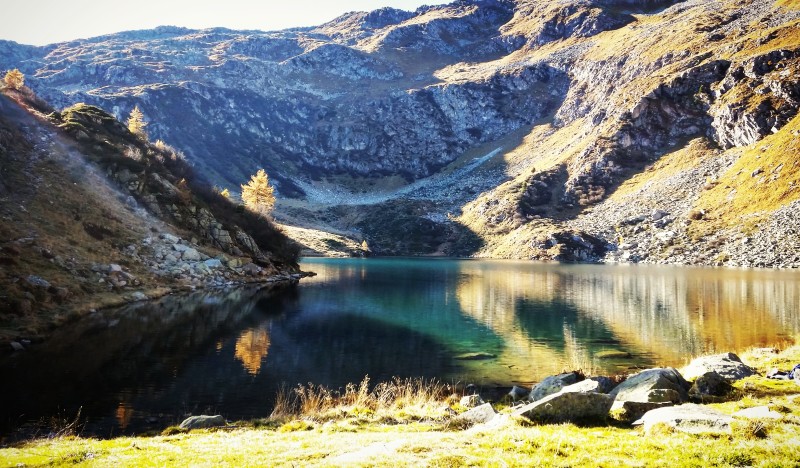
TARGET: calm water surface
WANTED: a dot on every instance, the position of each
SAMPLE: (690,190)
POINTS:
(491,323)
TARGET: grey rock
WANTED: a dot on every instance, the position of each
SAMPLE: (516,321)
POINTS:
(471,401)
(518,393)
(728,365)
(17,346)
(190,254)
(138,296)
(568,407)
(691,418)
(36,282)
(172,239)
(196,422)
(605,384)
(213,263)
(710,387)
(251,269)
(652,386)
(553,384)
(658,214)
(587,385)
(113,268)
(478,415)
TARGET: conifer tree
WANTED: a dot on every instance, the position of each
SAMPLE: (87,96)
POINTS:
(136,123)
(258,196)
(14,79)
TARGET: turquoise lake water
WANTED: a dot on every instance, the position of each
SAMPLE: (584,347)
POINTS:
(491,323)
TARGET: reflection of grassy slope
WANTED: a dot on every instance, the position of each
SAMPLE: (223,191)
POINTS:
(662,313)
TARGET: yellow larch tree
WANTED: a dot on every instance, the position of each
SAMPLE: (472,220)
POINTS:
(258,195)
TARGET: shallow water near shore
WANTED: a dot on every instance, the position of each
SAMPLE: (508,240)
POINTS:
(493,323)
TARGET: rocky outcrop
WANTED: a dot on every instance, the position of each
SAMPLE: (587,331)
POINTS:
(756,98)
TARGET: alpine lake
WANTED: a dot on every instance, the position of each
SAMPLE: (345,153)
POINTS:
(146,366)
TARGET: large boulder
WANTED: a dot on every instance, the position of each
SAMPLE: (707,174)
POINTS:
(710,388)
(553,384)
(728,365)
(197,422)
(695,419)
(647,390)
(652,386)
(567,406)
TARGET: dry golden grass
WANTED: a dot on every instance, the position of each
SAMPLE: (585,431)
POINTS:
(410,399)
(765,178)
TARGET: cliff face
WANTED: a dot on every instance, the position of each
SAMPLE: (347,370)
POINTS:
(492,127)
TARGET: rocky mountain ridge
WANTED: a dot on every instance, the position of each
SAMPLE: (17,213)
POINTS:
(601,112)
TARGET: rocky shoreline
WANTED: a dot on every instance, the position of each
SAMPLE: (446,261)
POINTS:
(175,266)
(657,395)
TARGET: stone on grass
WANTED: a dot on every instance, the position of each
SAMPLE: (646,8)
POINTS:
(553,384)
(478,415)
(728,365)
(758,412)
(691,418)
(568,407)
(710,388)
(471,401)
(196,422)
(657,385)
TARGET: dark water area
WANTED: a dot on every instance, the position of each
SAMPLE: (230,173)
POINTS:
(147,366)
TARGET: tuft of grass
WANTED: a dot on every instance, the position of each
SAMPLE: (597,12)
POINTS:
(397,400)
(752,429)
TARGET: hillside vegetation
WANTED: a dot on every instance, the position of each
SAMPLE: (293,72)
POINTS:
(95,216)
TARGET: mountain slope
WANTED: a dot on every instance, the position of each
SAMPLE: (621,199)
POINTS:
(91,219)
(485,127)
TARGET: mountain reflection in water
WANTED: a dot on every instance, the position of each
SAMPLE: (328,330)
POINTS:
(147,366)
